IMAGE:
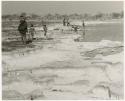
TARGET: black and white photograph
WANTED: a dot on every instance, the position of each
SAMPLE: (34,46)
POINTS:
(62,50)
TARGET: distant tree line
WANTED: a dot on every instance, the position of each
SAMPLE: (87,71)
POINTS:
(86,16)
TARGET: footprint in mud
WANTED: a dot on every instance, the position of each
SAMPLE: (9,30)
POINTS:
(12,95)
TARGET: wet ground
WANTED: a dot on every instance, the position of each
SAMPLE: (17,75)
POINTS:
(60,68)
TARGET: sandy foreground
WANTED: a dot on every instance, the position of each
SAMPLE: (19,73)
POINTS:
(62,68)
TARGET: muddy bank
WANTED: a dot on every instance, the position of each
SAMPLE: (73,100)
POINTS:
(62,68)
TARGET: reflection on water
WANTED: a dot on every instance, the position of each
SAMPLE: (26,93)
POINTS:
(110,31)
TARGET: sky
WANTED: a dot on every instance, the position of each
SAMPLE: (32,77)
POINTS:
(61,7)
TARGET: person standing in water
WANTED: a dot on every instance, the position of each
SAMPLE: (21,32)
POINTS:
(83,29)
(75,28)
(67,22)
(64,22)
(45,29)
(22,28)
(32,31)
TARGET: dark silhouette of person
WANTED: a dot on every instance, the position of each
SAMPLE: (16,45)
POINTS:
(64,22)
(22,28)
(32,31)
(83,28)
(45,29)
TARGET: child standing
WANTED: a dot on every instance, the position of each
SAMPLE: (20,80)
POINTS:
(64,22)
(32,31)
(45,29)
(28,35)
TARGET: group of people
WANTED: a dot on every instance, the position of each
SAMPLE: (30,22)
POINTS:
(75,27)
(66,22)
(27,31)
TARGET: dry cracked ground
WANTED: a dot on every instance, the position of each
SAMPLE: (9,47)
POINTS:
(62,68)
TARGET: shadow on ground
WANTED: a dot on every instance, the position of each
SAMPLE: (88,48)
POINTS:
(8,46)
